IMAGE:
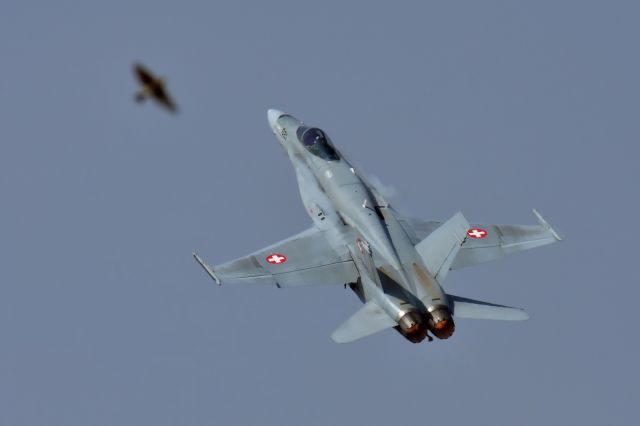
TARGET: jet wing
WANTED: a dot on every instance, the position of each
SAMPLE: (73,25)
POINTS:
(485,243)
(305,259)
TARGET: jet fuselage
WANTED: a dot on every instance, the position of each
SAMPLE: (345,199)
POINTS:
(342,203)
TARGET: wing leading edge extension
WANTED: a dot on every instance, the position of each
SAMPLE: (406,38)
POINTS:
(305,259)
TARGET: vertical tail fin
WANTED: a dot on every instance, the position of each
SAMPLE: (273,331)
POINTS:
(441,247)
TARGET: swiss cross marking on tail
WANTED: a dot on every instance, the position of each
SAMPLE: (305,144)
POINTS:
(276,259)
(363,246)
(477,233)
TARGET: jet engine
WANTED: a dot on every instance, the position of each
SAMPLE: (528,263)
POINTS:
(440,322)
(415,326)
(412,326)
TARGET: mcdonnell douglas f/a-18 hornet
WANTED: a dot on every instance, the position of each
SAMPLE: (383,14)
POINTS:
(395,265)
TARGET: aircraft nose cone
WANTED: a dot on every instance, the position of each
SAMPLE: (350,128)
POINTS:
(273,115)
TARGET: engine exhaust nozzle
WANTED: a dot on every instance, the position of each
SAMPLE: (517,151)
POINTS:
(441,322)
(412,327)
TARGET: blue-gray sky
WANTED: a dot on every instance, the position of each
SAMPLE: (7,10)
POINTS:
(488,107)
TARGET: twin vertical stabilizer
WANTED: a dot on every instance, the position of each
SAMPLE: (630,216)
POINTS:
(441,247)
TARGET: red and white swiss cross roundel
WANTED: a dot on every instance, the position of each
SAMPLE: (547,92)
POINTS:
(477,233)
(276,258)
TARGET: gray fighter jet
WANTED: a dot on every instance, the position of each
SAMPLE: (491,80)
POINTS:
(395,265)
(152,87)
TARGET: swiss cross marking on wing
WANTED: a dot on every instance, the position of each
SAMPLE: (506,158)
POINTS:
(477,233)
(276,258)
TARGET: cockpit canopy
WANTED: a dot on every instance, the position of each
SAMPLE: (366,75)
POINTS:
(316,142)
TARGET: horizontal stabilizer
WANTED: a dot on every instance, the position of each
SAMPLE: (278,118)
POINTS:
(440,248)
(475,309)
(369,320)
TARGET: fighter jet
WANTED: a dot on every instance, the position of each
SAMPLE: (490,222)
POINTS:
(152,87)
(396,265)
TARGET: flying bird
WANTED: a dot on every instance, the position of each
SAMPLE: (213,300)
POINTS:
(152,87)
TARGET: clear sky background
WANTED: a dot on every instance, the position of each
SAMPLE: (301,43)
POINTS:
(491,108)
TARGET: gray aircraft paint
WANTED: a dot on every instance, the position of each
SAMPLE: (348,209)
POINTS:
(395,265)
(352,199)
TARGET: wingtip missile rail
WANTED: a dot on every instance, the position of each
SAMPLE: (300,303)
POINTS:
(207,268)
(546,225)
